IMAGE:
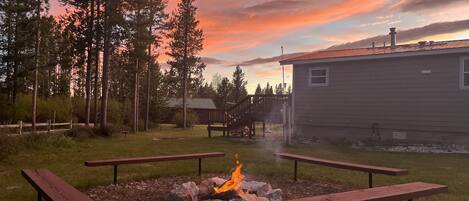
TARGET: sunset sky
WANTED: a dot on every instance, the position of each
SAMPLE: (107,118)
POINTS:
(251,32)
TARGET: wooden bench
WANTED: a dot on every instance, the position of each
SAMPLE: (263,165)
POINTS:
(52,188)
(343,165)
(116,162)
(399,192)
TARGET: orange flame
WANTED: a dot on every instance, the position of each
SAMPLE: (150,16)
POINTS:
(234,183)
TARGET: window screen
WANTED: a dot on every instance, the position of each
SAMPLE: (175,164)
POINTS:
(318,76)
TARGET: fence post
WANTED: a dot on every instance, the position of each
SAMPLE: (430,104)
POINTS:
(48,126)
(21,128)
(53,121)
(71,124)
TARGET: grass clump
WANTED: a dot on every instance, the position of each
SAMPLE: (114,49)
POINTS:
(8,146)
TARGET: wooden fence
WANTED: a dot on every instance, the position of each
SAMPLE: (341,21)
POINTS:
(42,127)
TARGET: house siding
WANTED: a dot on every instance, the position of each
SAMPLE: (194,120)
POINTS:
(391,92)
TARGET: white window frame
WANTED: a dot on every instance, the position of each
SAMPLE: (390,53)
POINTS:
(462,73)
(311,76)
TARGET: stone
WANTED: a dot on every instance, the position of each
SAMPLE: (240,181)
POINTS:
(274,195)
(217,180)
(206,188)
(185,192)
(250,197)
(259,188)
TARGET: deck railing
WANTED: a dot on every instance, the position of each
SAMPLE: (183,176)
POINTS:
(248,108)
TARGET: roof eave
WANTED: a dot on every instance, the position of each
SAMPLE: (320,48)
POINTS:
(378,56)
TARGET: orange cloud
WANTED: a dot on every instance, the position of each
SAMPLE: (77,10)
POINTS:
(238,31)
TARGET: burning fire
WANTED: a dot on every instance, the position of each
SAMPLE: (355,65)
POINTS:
(234,183)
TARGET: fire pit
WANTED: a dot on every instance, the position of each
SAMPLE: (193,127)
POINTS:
(235,188)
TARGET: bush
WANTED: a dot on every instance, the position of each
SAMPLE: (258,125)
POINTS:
(21,109)
(192,119)
(109,131)
(80,132)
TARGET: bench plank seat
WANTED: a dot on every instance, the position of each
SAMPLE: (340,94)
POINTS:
(399,192)
(152,159)
(138,160)
(52,188)
(345,165)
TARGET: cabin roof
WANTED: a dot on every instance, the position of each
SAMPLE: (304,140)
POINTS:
(192,103)
(416,49)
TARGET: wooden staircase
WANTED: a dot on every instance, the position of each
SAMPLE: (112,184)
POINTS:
(239,119)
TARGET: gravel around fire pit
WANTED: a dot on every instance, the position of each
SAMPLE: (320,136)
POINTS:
(157,189)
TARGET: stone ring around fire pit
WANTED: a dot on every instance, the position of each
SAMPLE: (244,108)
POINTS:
(253,191)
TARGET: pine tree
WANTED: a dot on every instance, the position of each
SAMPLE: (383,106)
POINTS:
(239,85)
(258,90)
(37,45)
(279,89)
(268,90)
(108,25)
(89,60)
(186,41)
(223,91)
(97,48)
(207,91)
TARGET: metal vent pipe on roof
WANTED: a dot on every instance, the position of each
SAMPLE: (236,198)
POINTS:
(393,35)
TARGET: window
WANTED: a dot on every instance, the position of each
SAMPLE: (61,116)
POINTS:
(319,76)
(465,73)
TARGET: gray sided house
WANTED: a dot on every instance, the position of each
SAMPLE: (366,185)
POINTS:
(410,93)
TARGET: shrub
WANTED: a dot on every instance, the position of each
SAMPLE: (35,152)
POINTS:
(21,109)
(116,112)
(191,120)
(80,132)
(109,131)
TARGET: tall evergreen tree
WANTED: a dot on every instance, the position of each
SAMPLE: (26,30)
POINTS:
(279,89)
(268,90)
(97,38)
(258,90)
(186,41)
(89,60)
(108,26)
(223,91)
(239,85)
(38,7)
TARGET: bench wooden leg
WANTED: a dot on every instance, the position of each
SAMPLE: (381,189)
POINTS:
(295,173)
(115,174)
(200,167)
(263,128)
(370,180)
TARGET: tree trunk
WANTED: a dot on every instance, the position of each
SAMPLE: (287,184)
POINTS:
(184,101)
(96,71)
(36,67)
(106,58)
(135,106)
(185,72)
(147,109)
(88,65)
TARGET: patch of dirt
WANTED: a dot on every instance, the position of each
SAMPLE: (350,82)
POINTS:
(156,189)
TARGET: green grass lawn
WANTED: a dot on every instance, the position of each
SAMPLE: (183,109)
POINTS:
(67,162)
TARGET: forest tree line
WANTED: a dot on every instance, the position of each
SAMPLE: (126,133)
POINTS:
(101,57)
